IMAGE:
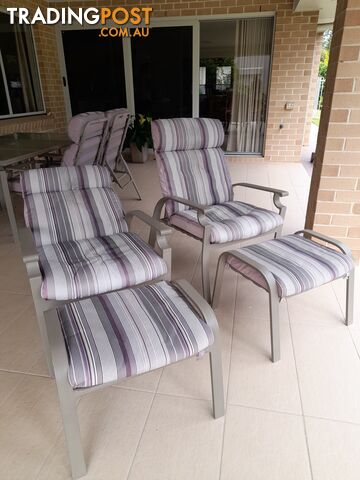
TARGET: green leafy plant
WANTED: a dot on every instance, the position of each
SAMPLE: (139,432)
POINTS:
(139,131)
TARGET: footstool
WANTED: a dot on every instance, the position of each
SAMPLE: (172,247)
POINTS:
(100,340)
(288,266)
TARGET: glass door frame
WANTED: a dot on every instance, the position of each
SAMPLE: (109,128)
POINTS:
(127,59)
(193,21)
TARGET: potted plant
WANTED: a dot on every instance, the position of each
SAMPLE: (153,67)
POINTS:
(139,138)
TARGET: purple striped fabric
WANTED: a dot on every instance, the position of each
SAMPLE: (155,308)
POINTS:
(79,269)
(122,334)
(117,128)
(229,222)
(190,161)
(297,264)
(186,134)
(87,131)
(70,203)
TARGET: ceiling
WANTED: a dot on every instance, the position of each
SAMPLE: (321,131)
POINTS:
(326,8)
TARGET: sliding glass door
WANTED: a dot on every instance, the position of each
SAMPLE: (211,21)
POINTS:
(235,60)
(162,72)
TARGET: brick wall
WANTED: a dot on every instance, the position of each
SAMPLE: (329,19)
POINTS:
(294,42)
(45,40)
(313,87)
(334,203)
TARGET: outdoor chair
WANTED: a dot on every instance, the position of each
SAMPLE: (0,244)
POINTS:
(288,266)
(197,192)
(78,242)
(87,132)
(102,340)
(118,123)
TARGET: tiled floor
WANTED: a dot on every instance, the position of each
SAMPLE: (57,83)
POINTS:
(298,419)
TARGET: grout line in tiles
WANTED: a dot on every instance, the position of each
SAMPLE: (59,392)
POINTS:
(328,419)
(145,422)
(267,410)
(17,372)
(229,375)
(299,389)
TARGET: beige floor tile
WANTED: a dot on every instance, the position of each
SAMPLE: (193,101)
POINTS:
(256,381)
(181,441)
(29,425)
(192,376)
(12,305)
(111,423)
(261,445)
(316,307)
(334,449)
(8,382)
(328,368)
(147,382)
(13,277)
(20,346)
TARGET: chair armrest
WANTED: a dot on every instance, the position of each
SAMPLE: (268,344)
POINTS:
(276,197)
(29,252)
(159,227)
(184,201)
(341,246)
(280,193)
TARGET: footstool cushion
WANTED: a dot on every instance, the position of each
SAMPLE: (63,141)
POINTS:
(297,264)
(125,333)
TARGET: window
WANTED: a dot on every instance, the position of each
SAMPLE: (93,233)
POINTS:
(237,57)
(20,88)
(223,78)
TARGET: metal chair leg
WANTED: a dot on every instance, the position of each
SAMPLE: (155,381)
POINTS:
(219,279)
(217,384)
(67,397)
(128,171)
(40,308)
(274,327)
(205,269)
(350,291)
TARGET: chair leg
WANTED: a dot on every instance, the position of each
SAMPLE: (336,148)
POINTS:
(205,256)
(274,327)
(40,308)
(67,397)
(128,171)
(217,384)
(350,290)
(69,415)
(219,279)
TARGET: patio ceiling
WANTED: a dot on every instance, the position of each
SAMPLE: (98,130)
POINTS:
(326,8)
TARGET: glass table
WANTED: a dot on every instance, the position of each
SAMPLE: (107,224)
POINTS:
(16,148)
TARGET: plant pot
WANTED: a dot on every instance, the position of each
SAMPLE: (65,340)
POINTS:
(138,156)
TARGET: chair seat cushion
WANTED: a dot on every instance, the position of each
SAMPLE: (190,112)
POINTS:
(78,269)
(229,221)
(121,334)
(297,264)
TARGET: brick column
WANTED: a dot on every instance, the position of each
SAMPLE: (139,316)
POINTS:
(313,87)
(334,202)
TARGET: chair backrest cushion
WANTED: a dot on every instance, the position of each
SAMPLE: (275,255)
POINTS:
(190,161)
(118,121)
(87,131)
(70,203)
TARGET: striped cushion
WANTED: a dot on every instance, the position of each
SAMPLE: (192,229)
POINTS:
(117,127)
(298,264)
(86,130)
(190,161)
(186,134)
(71,203)
(126,333)
(73,270)
(229,221)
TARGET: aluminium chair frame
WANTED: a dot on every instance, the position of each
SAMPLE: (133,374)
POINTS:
(120,163)
(207,246)
(68,396)
(274,299)
(32,264)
